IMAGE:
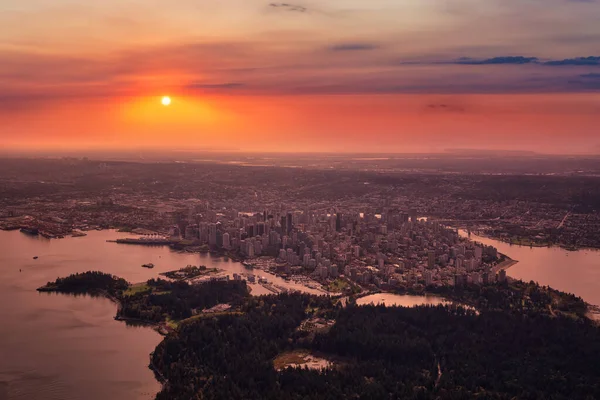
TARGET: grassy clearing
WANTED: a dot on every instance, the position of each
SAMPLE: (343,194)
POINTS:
(524,241)
(283,360)
(339,285)
(171,323)
(210,315)
(301,358)
(137,288)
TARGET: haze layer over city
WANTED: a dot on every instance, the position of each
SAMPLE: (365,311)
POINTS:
(314,200)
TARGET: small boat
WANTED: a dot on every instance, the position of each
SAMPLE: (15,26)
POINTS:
(35,258)
(149,265)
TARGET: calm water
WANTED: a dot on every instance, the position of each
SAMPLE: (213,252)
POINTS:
(576,272)
(63,347)
(390,299)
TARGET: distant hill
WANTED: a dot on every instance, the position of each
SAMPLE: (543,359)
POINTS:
(491,153)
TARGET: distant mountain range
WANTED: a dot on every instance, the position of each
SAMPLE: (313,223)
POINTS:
(490,152)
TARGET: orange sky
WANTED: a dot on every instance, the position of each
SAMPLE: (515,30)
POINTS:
(350,123)
(344,75)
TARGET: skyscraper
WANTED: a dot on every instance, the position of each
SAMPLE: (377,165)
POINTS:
(431,259)
(283,225)
(289,222)
(260,228)
(212,234)
(428,278)
(226,241)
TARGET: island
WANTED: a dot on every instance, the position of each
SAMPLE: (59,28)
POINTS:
(190,272)
(510,340)
(91,282)
(157,302)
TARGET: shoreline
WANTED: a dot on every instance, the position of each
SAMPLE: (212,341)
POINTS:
(535,245)
(161,328)
(562,246)
(592,314)
(168,242)
(506,264)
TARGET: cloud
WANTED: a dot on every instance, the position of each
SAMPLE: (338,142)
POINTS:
(228,85)
(497,60)
(289,7)
(249,67)
(585,61)
(353,47)
(586,81)
(443,107)
(585,85)
(512,60)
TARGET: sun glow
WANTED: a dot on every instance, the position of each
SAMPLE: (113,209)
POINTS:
(181,112)
(166,101)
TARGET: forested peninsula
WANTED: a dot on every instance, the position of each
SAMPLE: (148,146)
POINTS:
(519,341)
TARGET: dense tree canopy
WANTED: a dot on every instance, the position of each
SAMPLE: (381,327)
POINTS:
(443,352)
(91,282)
(178,300)
(520,341)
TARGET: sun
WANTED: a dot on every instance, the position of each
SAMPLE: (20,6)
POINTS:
(166,101)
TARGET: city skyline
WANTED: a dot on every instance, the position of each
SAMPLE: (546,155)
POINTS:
(351,76)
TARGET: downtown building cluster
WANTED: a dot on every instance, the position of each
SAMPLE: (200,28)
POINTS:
(390,249)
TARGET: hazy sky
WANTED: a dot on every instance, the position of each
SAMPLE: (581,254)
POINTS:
(329,75)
